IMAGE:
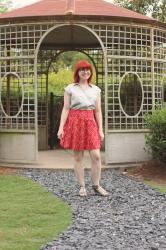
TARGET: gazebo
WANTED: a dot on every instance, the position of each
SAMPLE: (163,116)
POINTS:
(128,51)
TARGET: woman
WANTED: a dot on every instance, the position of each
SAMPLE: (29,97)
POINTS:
(81,124)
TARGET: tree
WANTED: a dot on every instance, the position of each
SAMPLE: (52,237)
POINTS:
(159,12)
(5,5)
(143,7)
(157,9)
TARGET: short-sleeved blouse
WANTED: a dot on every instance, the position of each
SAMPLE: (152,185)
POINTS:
(82,99)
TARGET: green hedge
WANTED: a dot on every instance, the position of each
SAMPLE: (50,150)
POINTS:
(156,139)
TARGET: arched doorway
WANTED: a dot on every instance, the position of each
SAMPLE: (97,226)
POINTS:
(54,42)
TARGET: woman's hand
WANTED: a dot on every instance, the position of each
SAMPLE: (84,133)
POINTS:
(60,133)
(101,135)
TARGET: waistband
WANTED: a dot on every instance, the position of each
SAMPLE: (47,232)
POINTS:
(82,110)
(81,113)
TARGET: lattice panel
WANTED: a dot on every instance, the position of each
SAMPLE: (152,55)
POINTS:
(159,65)
(159,44)
(117,119)
(17,50)
(45,58)
(160,76)
(24,69)
(21,40)
(124,40)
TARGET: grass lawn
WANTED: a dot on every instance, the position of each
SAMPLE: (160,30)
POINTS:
(30,216)
(152,184)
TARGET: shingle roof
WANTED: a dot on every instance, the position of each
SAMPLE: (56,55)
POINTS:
(79,7)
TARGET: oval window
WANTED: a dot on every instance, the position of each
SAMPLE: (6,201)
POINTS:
(131,94)
(11,94)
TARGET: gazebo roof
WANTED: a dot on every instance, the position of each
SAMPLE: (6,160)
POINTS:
(87,8)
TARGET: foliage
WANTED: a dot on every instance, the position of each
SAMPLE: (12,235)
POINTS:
(57,82)
(68,59)
(142,7)
(30,215)
(5,5)
(160,11)
(156,139)
(156,8)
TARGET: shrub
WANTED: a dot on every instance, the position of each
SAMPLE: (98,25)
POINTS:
(156,139)
(57,82)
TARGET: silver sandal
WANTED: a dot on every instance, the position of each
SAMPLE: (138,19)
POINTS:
(82,192)
(99,190)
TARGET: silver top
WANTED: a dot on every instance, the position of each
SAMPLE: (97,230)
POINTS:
(82,99)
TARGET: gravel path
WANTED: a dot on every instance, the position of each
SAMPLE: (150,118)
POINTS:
(132,217)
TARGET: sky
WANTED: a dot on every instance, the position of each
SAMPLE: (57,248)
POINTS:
(21,3)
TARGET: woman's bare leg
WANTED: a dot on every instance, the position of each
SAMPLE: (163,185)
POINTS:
(96,171)
(95,166)
(78,167)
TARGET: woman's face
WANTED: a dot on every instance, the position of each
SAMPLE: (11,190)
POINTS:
(84,74)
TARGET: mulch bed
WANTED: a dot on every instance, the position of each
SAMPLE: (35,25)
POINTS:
(7,171)
(150,171)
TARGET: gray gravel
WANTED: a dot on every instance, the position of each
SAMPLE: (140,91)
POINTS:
(132,217)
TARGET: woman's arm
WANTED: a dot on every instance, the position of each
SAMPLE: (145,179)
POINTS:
(98,116)
(64,115)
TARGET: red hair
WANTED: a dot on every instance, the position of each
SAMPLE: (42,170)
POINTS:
(83,64)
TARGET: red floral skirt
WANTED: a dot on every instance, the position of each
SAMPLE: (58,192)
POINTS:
(81,131)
